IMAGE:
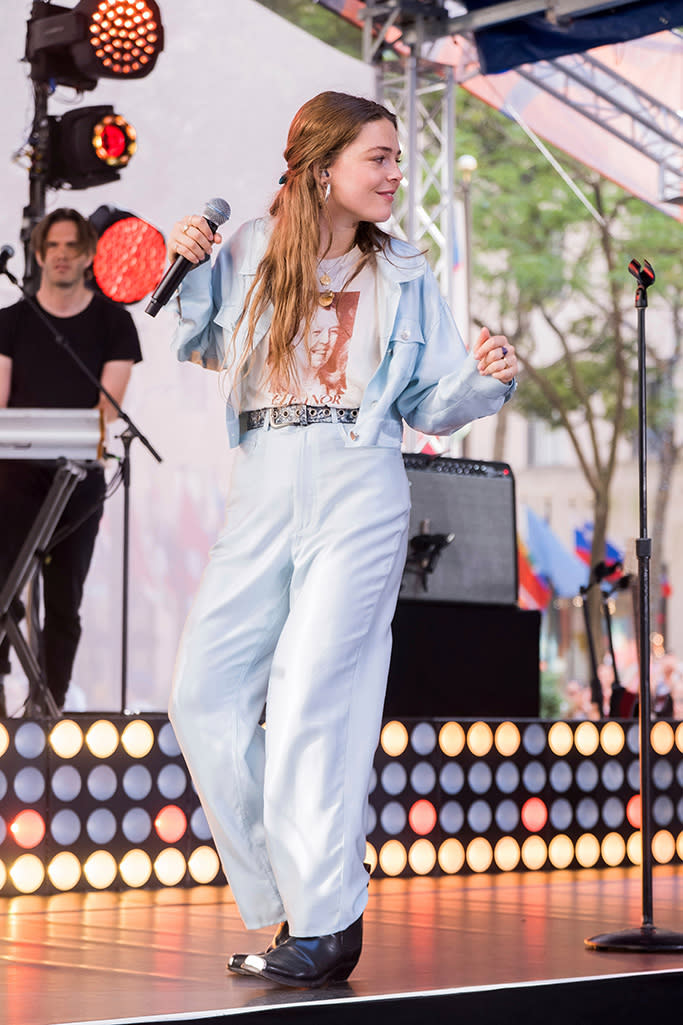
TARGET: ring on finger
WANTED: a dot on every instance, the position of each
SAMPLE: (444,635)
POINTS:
(185,227)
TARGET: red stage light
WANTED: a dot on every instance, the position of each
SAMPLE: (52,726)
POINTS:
(534,814)
(422,817)
(28,829)
(171,823)
(130,256)
(633,812)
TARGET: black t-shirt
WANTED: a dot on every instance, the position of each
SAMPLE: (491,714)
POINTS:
(43,374)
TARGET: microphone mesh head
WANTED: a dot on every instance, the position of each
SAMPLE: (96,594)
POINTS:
(217,211)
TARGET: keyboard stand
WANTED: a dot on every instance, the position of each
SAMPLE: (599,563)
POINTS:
(66,478)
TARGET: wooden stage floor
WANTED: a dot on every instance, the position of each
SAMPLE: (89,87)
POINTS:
(143,956)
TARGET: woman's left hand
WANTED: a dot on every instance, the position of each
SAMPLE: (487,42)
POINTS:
(495,356)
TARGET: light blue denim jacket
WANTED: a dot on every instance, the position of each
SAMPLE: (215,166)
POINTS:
(425,376)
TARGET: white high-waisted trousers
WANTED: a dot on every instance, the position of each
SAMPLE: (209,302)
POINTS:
(294,611)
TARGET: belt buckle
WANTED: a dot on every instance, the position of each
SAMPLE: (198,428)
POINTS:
(288,416)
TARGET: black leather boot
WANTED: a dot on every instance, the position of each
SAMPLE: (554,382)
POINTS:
(236,961)
(309,961)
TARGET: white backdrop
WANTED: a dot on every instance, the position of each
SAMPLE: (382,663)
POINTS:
(211,121)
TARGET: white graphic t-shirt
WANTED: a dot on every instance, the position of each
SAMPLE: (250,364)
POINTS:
(342,351)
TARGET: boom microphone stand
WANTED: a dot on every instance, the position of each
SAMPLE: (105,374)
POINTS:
(131,432)
(646,939)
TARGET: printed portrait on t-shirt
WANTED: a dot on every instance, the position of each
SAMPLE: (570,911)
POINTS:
(322,359)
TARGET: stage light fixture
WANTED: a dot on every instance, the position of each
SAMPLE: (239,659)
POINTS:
(4,740)
(451,856)
(560,851)
(96,39)
(64,871)
(102,738)
(662,738)
(394,738)
(634,848)
(130,256)
(135,868)
(203,865)
(507,739)
(137,738)
(587,850)
(451,739)
(612,738)
(422,857)
(393,858)
(422,817)
(560,739)
(663,846)
(587,738)
(89,146)
(100,870)
(534,853)
(171,823)
(480,738)
(66,738)
(27,873)
(28,828)
(479,854)
(170,867)
(507,854)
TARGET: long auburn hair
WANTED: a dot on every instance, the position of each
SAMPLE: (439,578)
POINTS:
(286,277)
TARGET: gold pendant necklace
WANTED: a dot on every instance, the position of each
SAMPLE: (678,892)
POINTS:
(327,297)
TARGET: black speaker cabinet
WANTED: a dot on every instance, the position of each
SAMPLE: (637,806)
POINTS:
(462,542)
(464,660)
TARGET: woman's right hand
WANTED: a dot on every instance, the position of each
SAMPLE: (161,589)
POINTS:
(192,238)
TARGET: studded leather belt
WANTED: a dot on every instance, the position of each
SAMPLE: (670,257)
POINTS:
(298,415)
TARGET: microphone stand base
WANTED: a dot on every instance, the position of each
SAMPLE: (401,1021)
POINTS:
(645,940)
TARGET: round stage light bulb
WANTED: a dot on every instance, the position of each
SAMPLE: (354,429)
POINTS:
(587,850)
(633,811)
(612,738)
(560,851)
(27,873)
(28,828)
(203,864)
(171,823)
(534,853)
(506,854)
(613,849)
(4,739)
(452,856)
(586,738)
(480,739)
(663,846)
(393,858)
(64,871)
(394,738)
(560,739)
(100,870)
(102,738)
(170,867)
(662,738)
(29,740)
(534,814)
(135,868)
(137,738)
(634,848)
(66,738)
(370,856)
(479,854)
(451,739)
(507,739)
(3,874)
(422,857)
(422,817)
(423,738)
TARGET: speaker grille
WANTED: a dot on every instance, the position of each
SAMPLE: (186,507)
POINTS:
(475,502)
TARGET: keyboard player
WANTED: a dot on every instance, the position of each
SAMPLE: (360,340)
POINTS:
(36,372)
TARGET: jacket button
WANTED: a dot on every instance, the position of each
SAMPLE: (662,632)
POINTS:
(405,335)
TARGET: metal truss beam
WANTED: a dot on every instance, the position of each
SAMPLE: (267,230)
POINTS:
(630,114)
(422,97)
